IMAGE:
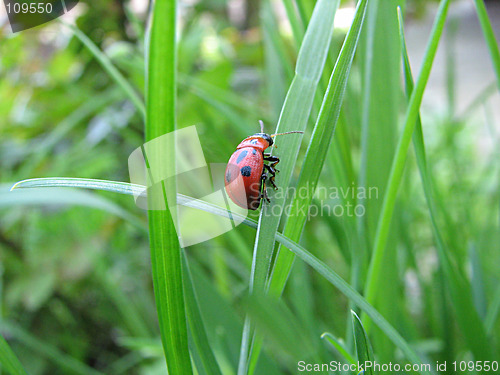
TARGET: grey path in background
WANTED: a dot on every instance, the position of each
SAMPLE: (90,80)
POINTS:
(473,67)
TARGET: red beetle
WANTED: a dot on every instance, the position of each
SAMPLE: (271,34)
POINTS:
(248,160)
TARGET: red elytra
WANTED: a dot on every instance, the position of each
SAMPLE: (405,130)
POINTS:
(248,161)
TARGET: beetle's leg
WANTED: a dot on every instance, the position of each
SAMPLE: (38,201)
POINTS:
(263,193)
(273,160)
(272,172)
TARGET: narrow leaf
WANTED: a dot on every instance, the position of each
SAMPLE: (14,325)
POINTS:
(62,360)
(363,347)
(204,357)
(9,360)
(383,226)
(461,295)
(108,66)
(489,36)
(337,344)
(164,243)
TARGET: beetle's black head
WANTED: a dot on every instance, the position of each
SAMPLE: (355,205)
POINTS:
(266,137)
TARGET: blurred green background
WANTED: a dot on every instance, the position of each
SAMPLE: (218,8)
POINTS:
(75,287)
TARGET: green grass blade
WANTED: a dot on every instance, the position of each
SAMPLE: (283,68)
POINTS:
(206,363)
(271,30)
(305,9)
(379,114)
(213,94)
(45,194)
(489,36)
(363,346)
(9,360)
(165,249)
(383,226)
(493,312)
(283,329)
(81,183)
(467,316)
(64,361)
(108,66)
(295,23)
(42,148)
(317,150)
(337,344)
(294,116)
(276,78)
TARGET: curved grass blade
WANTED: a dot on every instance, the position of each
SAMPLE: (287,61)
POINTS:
(467,316)
(108,66)
(363,346)
(320,267)
(82,183)
(45,193)
(337,344)
(9,360)
(383,226)
(165,249)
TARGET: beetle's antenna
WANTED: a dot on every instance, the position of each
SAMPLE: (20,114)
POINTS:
(261,126)
(292,132)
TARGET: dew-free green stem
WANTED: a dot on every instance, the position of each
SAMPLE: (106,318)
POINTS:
(489,36)
(459,289)
(113,72)
(165,249)
(294,116)
(382,233)
(9,360)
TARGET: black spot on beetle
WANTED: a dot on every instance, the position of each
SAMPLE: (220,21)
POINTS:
(246,171)
(253,141)
(254,151)
(241,156)
(228,175)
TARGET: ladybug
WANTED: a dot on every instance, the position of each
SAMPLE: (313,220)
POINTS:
(248,161)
